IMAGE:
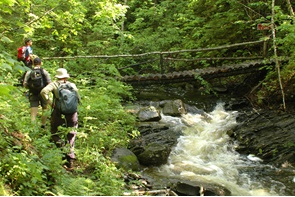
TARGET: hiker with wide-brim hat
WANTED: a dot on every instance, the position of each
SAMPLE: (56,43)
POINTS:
(70,120)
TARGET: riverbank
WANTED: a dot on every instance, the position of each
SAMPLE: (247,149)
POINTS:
(267,134)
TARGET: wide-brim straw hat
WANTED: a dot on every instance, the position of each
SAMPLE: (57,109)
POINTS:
(62,73)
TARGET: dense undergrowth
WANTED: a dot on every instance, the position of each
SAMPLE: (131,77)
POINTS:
(32,165)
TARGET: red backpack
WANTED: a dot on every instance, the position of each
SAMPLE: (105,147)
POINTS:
(21,53)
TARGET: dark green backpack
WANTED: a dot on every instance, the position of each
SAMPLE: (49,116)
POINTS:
(68,99)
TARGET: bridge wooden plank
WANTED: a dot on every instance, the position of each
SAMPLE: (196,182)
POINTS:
(209,73)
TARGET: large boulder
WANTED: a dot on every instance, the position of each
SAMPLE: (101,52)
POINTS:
(149,113)
(155,154)
(187,188)
(174,108)
(267,134)
(154,143)
(126,159)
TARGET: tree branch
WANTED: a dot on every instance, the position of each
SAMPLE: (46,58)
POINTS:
(158,52)
(247,7)
(214,58)
(31,22)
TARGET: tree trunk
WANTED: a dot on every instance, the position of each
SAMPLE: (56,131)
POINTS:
(276,55)
(290,7)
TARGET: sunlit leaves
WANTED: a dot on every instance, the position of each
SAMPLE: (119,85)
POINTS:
(6,39)
(4,90)
(110,10)
(7,2)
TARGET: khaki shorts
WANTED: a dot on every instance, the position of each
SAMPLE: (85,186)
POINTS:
(36,100)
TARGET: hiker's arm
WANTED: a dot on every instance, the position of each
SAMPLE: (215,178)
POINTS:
(26,78)
(45,92)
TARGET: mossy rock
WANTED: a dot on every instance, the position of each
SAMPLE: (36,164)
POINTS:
(126,159)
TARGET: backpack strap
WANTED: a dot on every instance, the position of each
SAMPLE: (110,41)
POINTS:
(43,77)
(54,97)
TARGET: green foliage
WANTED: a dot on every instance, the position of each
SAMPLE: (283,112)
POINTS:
(9,65)
(24,168)
(289,144)
(108,179)
(269,94)
(206,86)
(28,158)
(103,114)
(194,24)
(3,191)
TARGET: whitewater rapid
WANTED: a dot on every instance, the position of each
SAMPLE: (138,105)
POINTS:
(205,153)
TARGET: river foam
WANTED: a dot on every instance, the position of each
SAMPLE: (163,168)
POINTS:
(206,153)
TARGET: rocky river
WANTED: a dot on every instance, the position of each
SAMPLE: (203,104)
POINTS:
(194,144)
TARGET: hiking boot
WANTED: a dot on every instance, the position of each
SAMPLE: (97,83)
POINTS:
(69,163)
(60,143)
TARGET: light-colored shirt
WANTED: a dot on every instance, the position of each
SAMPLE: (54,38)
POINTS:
(53,87)
(29,50)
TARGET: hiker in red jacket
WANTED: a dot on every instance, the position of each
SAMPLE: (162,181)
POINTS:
(28,61)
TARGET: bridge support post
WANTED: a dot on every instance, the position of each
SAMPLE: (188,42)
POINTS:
(264,49)
(161,63)
(265,45)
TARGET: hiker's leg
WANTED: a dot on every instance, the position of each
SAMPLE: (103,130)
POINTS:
(45,110)
(34,103)
(34,112)
(71,140)
(72,121)
(56,121)
(44,116)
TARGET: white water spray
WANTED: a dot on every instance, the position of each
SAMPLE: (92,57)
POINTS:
(205,153)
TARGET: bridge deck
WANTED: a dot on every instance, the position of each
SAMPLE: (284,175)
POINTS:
(206,73)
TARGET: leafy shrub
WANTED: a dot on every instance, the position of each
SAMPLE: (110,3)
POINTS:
(28,158)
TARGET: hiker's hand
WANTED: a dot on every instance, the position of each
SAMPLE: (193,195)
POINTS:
(50,103)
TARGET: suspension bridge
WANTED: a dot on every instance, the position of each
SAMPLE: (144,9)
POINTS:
(246,65)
